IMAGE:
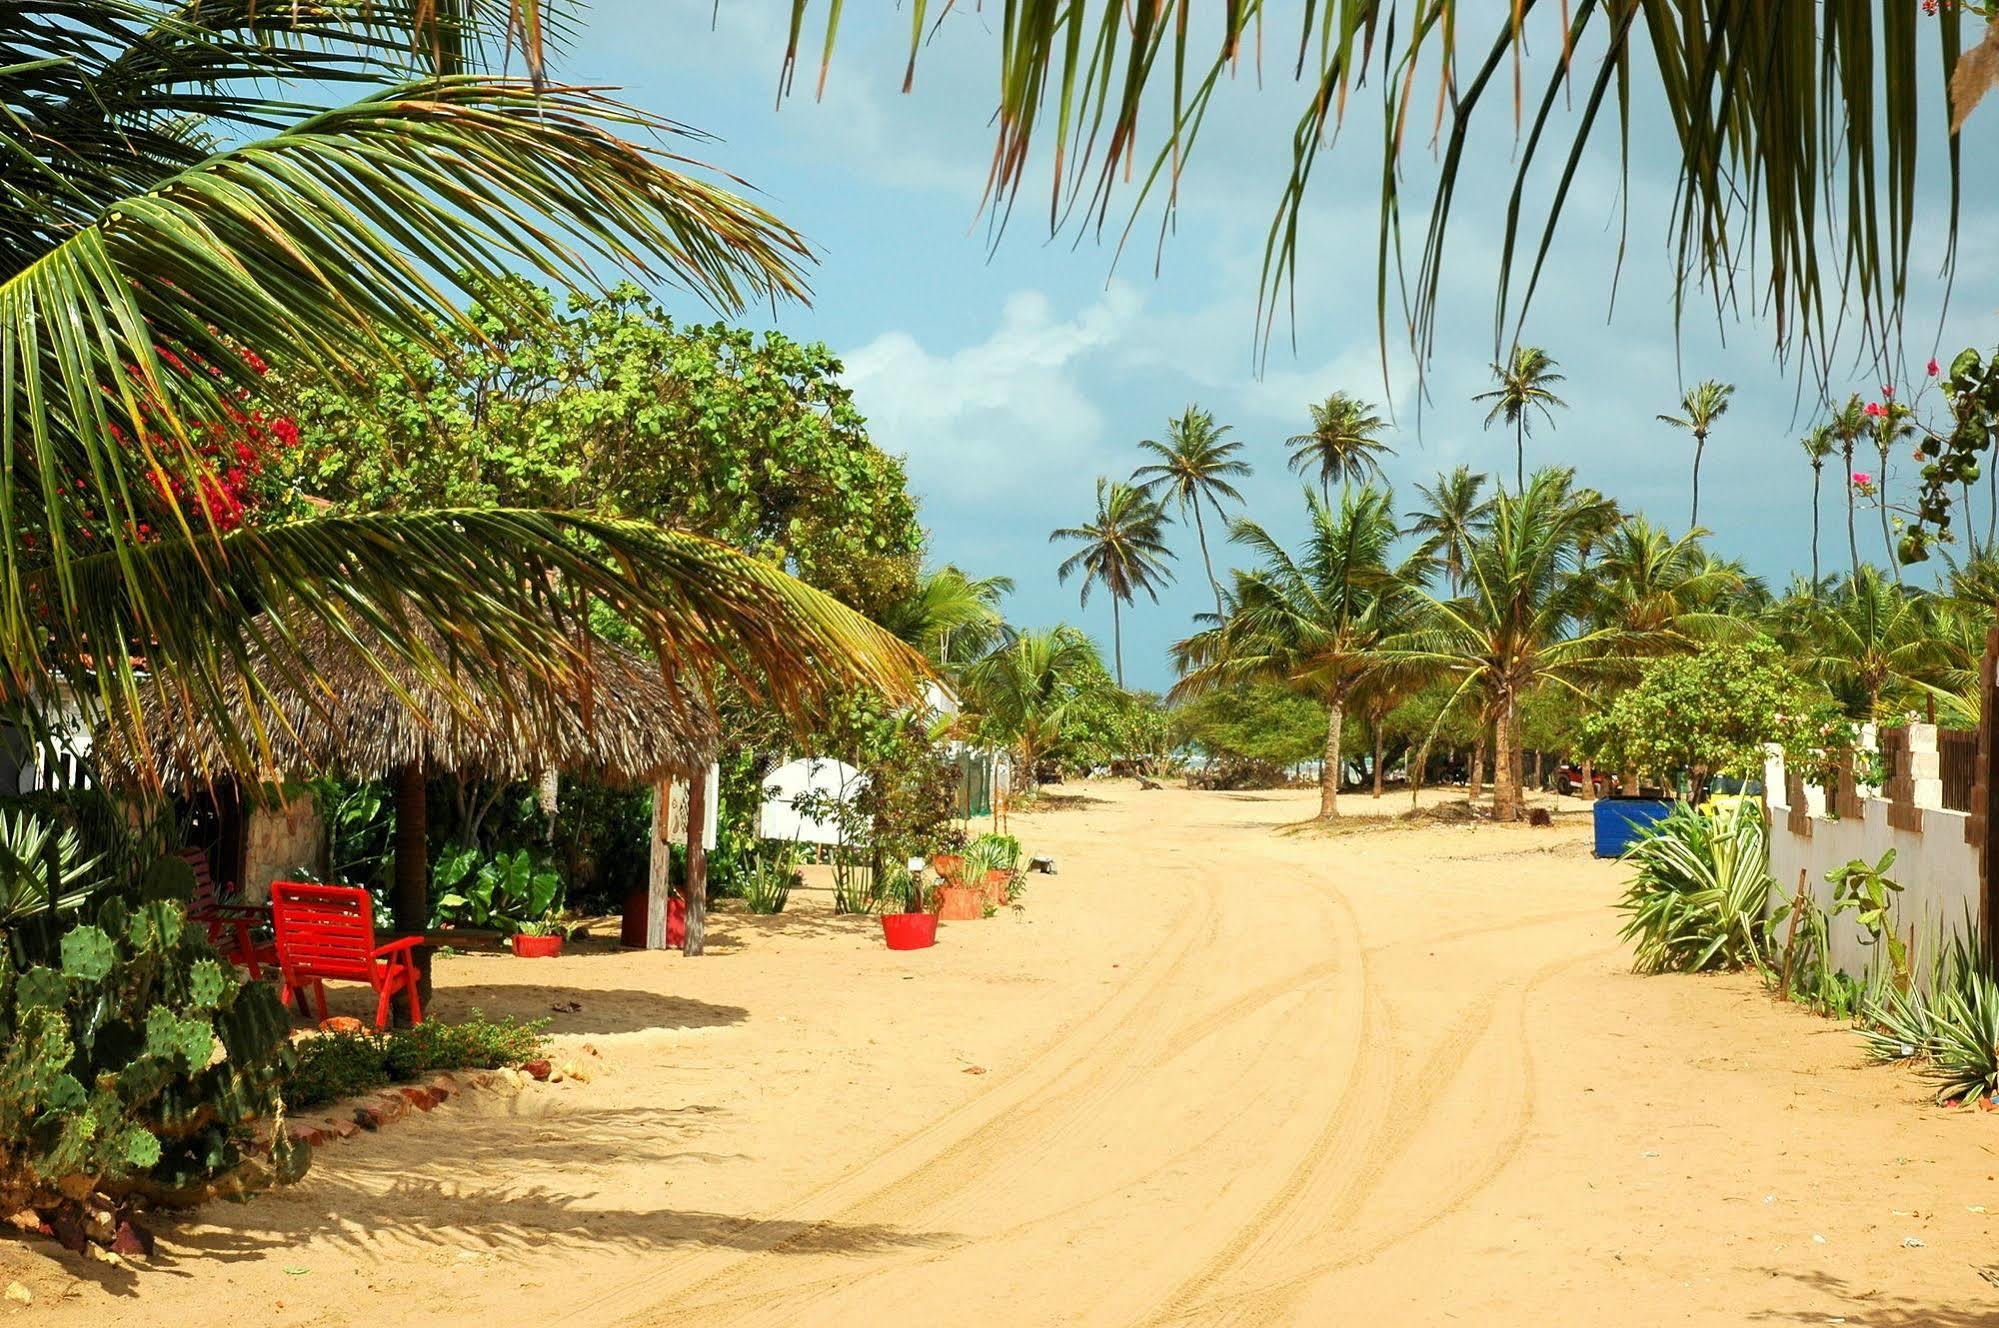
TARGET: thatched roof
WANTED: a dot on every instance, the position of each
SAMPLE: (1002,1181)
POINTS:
(616,718)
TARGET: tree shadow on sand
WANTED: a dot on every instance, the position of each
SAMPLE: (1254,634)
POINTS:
(541,1200)
(569,1009)
(1866,1307)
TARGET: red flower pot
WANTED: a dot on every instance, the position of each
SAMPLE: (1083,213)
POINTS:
(909,931)
(995,887)
(537,947)
(960,903)
(948,865)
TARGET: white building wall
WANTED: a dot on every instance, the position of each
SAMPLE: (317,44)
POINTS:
(1936,868)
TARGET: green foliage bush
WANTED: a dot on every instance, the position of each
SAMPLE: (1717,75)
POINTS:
(502,892)
(134,1061)
(1713,713)
(1697,897)
(1252,733)
(330,1066)
(1946,1019)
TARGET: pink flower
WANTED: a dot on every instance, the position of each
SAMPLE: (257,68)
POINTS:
(1933,369)
(1876,410)
(1888,390)
(1861,477)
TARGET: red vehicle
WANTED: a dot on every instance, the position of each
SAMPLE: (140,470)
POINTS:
(1569,782)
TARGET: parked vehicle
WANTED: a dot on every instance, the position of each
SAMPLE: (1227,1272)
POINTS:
(1569,782)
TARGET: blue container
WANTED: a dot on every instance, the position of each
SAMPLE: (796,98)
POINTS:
(1620,821)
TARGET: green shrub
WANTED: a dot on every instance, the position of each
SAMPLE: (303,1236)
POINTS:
(1697,900)
(329,1066)
(500,892)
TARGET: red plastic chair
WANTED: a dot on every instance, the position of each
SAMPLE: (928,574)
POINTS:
(328,931)
(231,927)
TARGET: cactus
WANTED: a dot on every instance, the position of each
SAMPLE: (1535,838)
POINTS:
(131,1060)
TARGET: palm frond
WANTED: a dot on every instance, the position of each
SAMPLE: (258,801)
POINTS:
(189,611)
(1798,182)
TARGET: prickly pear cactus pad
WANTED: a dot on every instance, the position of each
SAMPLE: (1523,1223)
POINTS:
(132,1061)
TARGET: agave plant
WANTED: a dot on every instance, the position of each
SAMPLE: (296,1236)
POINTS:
(1697,900)
(32,849)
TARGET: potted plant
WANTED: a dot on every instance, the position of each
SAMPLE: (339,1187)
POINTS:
(991,862)
(959,898)
(915,927)
(541,938)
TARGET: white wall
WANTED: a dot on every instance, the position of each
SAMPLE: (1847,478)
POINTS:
(1937,869)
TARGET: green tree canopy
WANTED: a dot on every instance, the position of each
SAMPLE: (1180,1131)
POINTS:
(1711,713)
(607,403)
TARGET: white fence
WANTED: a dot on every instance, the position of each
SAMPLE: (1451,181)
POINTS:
(1936,867)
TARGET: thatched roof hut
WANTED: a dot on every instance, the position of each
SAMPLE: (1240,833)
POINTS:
(371,712)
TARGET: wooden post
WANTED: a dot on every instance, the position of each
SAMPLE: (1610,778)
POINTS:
(409,903)
(659,864)
(697,865)
(1791,937)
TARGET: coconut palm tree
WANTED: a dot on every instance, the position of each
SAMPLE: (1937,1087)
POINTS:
(1849,425)
(1526,384)
(190,204)
(1343,444)
(1700,407)
(1195,464)
(1664,591)
(1818,445)
(953,618)
(1871,641)
(1024,690)
(1452,516)
(1314,622)
(1124,551)
(1521,621)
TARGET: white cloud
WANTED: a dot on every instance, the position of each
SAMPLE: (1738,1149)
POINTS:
(1004,416)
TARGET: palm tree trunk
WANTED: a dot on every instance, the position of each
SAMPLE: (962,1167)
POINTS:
(1881,500)
(1589,780)
(1992,511)
(1117,641)
(1520,453)
(1206,562)
(1475,778)
(1329,765)
(1852,545)
(1417,770)
(1505,765)
(1817,471)
(1700,445)
(1378,744)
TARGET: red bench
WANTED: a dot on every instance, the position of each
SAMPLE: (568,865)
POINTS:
(328,931)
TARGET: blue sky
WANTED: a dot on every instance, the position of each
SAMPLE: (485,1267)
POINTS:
(1012,378)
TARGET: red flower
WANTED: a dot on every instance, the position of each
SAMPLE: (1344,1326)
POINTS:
(1876,410)
(1933,369)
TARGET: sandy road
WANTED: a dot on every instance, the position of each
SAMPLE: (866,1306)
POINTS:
(1391,1077)
(1220,1071)
(1294,1081)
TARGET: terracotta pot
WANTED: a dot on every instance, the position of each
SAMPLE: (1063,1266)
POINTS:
(537,947)
(909,931)
(995,887)
(960,903)
(948,865)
